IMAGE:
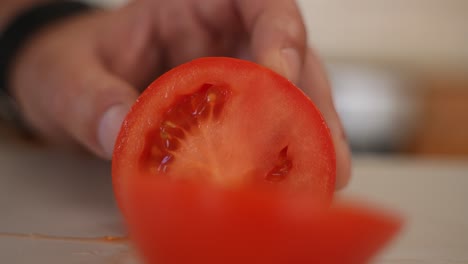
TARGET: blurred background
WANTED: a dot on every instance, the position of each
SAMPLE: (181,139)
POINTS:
(399,70)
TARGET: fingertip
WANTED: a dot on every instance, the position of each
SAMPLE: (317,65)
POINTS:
(342,149)
(277,34)
(109,126)
(343,169)
(285,61)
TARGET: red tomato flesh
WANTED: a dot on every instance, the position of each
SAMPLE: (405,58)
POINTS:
(228,122)
(224,161)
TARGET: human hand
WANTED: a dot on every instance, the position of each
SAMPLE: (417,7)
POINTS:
(76,80)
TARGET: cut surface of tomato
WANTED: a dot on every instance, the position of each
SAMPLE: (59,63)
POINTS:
(228,122)
(224,161)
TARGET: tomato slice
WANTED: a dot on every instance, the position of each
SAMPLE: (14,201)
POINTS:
(224,161)
(189,223)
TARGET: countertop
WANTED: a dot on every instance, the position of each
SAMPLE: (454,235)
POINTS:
(58,207)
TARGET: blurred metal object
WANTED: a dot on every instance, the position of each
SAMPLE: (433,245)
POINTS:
(378,110)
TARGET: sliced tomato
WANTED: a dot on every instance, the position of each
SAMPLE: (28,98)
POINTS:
(190,223)
(224,161)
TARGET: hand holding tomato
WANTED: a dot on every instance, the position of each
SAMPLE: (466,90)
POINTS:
(76,80)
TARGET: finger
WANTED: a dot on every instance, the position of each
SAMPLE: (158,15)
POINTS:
(277,34)
(315,84)
(91,104)
(175,29)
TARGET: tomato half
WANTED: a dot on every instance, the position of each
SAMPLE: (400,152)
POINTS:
(228,122)
(224,161)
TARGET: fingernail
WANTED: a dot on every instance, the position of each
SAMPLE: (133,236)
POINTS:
(109,127)
(291,64)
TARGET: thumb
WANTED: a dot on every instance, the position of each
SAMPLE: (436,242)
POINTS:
(92,109)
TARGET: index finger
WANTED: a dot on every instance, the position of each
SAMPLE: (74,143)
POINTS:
(277,34)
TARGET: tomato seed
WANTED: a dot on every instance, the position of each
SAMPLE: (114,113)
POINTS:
(282,167)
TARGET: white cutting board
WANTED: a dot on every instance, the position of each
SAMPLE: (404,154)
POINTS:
(56,207)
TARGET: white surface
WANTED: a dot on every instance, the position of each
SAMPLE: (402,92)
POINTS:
(431,194)
(44,192)
(55,194)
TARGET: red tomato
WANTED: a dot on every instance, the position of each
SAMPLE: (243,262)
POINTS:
(228,122)
(224,161)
